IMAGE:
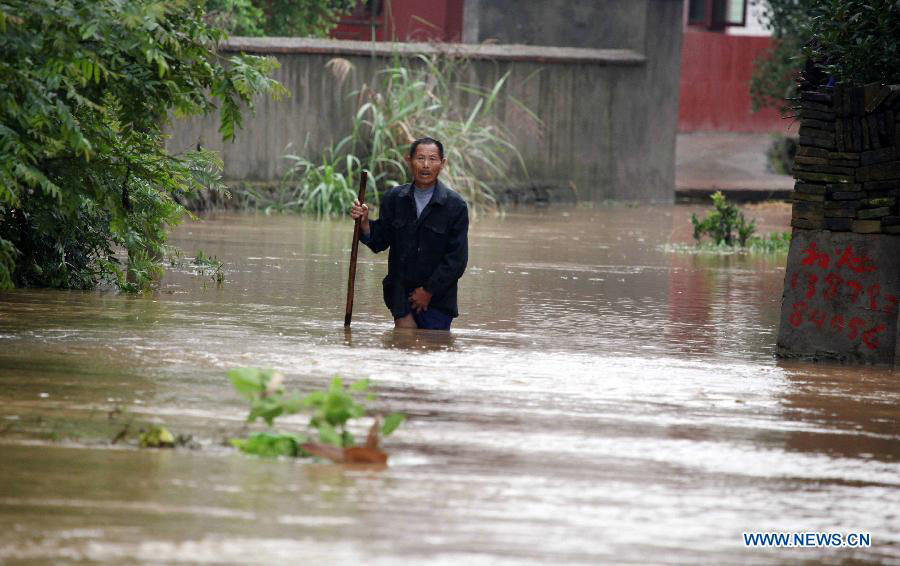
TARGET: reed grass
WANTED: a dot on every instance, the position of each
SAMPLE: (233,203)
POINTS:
(423,96)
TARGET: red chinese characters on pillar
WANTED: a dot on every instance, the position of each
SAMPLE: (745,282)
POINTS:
(869,338)
(834,286)
(856,264)
(811,281)
(823,319)
(814,256)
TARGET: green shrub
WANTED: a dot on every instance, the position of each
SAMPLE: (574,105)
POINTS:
(86,186)
(852,41)
(780,154)
(331,410)
(855,41)
(725,224)
(774,79)
(281,18)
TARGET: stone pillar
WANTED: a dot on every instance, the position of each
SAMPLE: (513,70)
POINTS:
(842,279)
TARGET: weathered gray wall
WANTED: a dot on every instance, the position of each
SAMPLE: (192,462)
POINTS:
(840,297)
(609,110)
(642,103)
(573,23)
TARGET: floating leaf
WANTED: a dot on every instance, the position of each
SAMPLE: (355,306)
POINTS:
(391,422)
(328,435)
(247,381)
(269,444)
(157,437)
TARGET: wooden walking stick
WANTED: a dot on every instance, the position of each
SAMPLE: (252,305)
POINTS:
(353,250)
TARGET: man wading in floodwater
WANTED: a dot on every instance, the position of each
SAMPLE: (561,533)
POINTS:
(426,226)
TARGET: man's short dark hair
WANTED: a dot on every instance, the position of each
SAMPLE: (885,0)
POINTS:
(426,141)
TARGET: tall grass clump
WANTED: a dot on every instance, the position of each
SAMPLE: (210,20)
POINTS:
(323,187)
(422,96)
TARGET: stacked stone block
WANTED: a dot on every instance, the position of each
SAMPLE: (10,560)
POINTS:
(848,161)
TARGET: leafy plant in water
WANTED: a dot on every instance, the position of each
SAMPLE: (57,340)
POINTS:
(271,444)
(331,411)
(334,407)
(263,389)
(210,266)
(157,437)
(777,242)
(725,224)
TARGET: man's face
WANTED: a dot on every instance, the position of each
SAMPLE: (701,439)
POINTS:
(426,164)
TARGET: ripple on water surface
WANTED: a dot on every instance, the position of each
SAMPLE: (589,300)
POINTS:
(600,399)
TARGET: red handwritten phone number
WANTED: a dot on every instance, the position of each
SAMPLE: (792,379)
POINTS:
(847,259)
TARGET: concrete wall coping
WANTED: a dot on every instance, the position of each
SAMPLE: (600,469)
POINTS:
(530,53)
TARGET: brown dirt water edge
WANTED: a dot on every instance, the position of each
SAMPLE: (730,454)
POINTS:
(601,399)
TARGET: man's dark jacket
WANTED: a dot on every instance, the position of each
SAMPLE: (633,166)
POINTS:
(429,252)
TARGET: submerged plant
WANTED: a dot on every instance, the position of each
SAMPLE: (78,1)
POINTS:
(210,266)
(331,410)
(777,242)
(729,232)
(271,444)
(157,437)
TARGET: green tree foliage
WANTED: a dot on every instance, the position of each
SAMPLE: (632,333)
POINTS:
(775,71)
(856,41)
(851,41)
(236,17)
(87,87)
(282,18)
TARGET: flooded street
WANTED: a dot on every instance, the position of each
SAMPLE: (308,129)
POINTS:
(600,399)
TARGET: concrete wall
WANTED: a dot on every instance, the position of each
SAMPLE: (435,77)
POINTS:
(608,107)
(643,103)
(572,23)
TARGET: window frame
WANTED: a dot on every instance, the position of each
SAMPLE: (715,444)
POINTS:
(709,8)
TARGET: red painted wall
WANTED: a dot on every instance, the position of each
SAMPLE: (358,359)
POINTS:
(715,81)
(408,20)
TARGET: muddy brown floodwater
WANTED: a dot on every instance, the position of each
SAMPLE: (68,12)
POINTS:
(601,399)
